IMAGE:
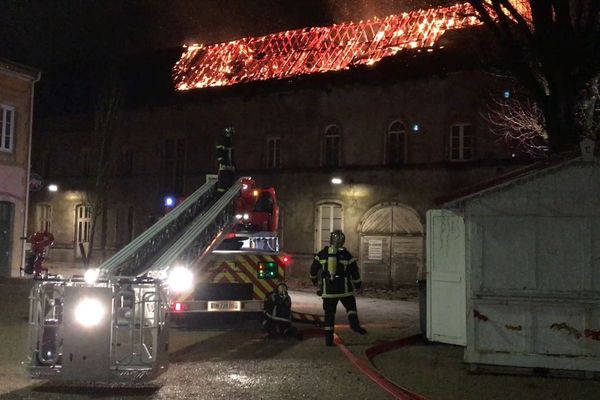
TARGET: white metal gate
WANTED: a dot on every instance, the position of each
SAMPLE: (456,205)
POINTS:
(446,289)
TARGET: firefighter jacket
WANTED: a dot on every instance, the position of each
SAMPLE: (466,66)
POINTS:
(225,153)
(278,307)
(335,272)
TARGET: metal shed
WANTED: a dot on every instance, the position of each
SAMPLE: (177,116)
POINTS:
(531,268)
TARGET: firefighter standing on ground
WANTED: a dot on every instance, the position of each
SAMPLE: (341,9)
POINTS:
(225,160)
(335,272)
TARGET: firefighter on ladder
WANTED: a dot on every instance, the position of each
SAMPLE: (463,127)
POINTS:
(225,160)
(335,272)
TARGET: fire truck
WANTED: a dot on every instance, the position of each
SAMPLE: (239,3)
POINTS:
(212,253)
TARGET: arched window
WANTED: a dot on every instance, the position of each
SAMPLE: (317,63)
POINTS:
(396,143)
(332,147)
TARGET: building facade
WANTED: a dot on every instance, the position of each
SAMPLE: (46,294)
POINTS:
(16,109)
(396,141)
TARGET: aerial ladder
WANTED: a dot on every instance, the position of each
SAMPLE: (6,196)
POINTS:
(111,325)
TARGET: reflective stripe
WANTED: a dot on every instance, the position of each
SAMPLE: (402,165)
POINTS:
(313,276)
(317,258)
(328,328)
(356,280)
(323,262)
(350,312)
(226,167)
(277,318)
(336,295)
(345,262)
(351,260)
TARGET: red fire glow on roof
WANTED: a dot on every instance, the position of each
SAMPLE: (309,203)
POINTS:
(315,50)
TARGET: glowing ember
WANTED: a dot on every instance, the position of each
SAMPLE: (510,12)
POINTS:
(314,50)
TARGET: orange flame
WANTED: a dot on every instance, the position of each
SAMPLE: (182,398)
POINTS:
(316,50)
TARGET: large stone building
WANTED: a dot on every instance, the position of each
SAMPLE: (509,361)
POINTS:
(16,109)
(398,135)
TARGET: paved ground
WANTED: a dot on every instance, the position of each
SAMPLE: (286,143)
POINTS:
(236,361)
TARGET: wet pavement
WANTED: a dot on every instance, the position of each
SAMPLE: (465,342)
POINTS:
(235,360)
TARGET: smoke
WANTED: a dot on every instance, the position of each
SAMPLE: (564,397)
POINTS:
(352,10)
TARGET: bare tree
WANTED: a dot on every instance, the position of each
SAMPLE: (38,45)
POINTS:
(106,115)
(520,123)
(553,48)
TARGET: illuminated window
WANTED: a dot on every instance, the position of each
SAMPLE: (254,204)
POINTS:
(329,218)
(7,127)
(174,165)
(44,212)
(332,147)
(461,142)
(396,144)
(83,223)
(274,152)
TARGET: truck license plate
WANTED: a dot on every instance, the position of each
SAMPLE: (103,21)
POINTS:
(224,306)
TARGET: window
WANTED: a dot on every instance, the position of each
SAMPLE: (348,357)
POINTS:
(329,218)
(174,165)
(274,152)
(83,223)
(461,142)
(44,212)
(7,127)
(86,163)
(332,147)
(396,144)
(126,162)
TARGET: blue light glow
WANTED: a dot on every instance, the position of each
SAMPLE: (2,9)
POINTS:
(169,201)
(415,128)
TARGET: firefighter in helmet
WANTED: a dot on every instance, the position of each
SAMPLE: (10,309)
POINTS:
(225,159)
(278,314)
(335,272)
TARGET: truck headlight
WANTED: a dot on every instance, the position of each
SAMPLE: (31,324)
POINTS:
(180,279)
(91,276)
(89,312)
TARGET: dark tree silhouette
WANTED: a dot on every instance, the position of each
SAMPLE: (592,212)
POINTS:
(553,48)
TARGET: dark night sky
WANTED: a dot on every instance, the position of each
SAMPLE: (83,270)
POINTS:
(48,33)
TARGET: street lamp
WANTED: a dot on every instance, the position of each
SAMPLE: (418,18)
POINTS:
(336,181)
(52,188)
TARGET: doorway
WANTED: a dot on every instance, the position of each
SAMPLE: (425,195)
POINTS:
(6,232)
(391,245)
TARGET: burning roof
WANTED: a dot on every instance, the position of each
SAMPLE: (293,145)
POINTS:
(316,50)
